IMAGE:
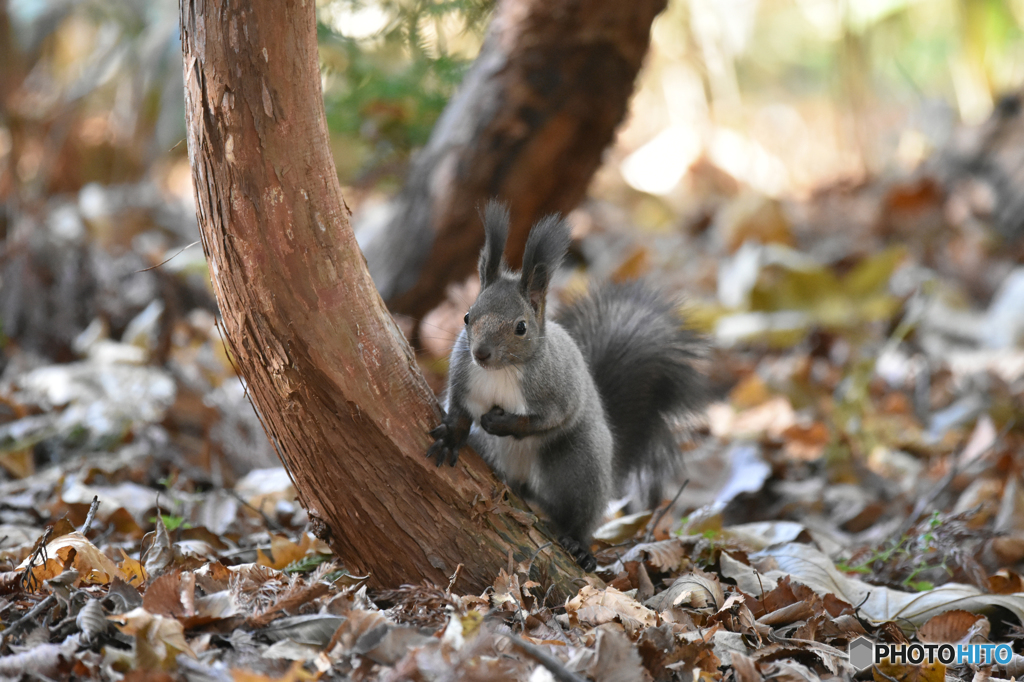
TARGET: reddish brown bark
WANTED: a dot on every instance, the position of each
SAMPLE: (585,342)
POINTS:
(528,125)
(335,382)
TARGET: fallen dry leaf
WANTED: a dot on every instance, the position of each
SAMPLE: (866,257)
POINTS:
(596,607)
(1005,581)
(616,660)
(133,570)
(622,528)
(696,589)
(665,555)
(927,672)
(809,566)
(806,443)
(93,566)
(284,552)
(955,627)
(158,640)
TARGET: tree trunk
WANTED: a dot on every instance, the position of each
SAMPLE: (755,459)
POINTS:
(528,125)
(332,377)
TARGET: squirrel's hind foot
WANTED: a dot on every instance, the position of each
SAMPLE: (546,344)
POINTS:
(579,552)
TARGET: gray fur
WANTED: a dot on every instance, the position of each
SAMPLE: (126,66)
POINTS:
(565,463)
(545,249)
(642,359)
(529,404)
(495,219)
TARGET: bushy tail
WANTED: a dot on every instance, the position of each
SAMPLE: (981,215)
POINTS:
(642,360)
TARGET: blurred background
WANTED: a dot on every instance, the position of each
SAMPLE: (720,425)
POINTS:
(783,96)
(836,185)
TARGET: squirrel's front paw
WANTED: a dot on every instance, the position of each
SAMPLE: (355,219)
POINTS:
(491,420)
(446,444)
(497,422)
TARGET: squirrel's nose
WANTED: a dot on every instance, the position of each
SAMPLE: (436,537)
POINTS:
(482,353)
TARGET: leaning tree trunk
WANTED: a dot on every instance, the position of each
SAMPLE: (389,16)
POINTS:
(528,125)
(331,375)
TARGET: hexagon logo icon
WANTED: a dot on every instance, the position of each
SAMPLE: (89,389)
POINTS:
(861,650)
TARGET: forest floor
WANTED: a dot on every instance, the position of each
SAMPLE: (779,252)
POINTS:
(861,473)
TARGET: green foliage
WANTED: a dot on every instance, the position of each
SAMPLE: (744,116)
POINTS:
(897,48)
(906,559)
(384,92)
(307,563)
(172,522)
(846,567)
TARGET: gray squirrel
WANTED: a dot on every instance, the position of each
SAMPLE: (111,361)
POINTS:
(573,410)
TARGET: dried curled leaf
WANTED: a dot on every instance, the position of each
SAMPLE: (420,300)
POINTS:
(160,553)
(622,528)
(158,640)
(46,660)
(93,565)
(92,620)
(133,570)
(665,555)
(807,565)
(604,606)
(617,659)
(1005,581)
(163,596)
(697,589)
(954,626)
(285,552)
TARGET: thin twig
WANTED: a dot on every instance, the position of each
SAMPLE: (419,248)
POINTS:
(30,616)
(451,582)
(168,259)
(91,516)
(270,523)
(28,579)
(760,585)
(553,665)
(240,551)
(533,558)
(544,602)
(661,513)
(876,669)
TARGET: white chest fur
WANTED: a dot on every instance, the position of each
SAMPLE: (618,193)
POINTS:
(495,387)
(513,459)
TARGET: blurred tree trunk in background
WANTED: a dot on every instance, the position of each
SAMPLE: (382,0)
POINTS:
(10,67)
(333,379)
(528,125)
(11,73)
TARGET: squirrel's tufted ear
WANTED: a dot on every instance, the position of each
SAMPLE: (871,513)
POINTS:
(545,248)
(495,217)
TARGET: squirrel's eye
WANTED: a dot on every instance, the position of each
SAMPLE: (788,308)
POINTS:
(466,318)
(520,327)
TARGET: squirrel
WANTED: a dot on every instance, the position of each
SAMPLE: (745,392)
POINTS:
(573,410)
